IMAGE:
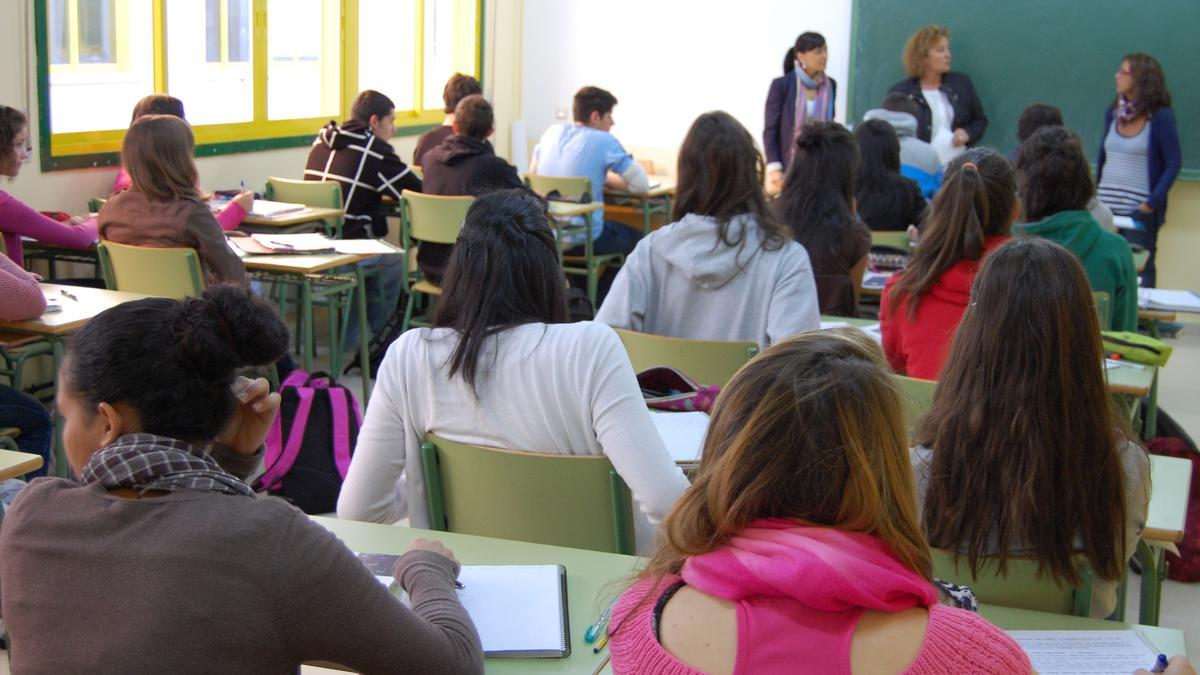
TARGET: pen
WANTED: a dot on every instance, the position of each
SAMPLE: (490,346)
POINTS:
(69,294)
(597,628)
(243,186)
(458,584)
(604,640)
(1160,665)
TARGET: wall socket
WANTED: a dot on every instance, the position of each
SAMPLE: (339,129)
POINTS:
(560,113)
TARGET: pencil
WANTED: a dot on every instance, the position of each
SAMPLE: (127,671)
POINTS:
(600,644)
(601,666)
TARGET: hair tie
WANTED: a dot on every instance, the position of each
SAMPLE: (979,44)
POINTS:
(970,165)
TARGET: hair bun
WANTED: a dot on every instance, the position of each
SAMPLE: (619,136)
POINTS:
(226,328)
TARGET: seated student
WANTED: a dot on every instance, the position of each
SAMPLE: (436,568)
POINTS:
(798,542)
(357,155)
(21,298)
(921,307)
(457,88)
(159,557)
(725,269)
(885,200)
(1038,115)
(918,160)
(503,369)
(228,217)
(817,203)
(463,164)
(1022,451)
(163,207)
(18,220)
(1056,185)
(586,148)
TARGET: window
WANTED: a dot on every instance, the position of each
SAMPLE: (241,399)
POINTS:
(253,74)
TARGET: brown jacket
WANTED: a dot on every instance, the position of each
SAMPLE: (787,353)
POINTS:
(131,217)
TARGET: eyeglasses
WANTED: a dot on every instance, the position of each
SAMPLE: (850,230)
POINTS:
(1126,73)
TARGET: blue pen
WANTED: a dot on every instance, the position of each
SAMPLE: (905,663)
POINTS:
(597,628)
(1160,665)
(243,186)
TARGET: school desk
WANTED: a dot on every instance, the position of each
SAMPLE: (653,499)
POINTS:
(316,277)
(1171,480)
(655,200)
(312,218)
(77,309)
(14,464)
(36,250)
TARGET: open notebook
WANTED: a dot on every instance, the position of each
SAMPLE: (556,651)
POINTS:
(1095,652)
(520,611)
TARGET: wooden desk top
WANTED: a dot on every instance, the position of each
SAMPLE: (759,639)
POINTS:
(1155,315)
(1130,380)
(308,215)
(300,264)
(665,187)
(75,312)
(13,464)
(570,209)
(1171,480)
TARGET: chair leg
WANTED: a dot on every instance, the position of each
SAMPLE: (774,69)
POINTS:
(408,309)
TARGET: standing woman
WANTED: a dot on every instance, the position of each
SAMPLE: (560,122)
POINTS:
(950,115)
(1139,156)
(787,112)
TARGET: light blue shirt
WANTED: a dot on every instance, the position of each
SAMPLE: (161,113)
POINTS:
(576,150)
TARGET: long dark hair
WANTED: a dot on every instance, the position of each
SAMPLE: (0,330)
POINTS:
(975,201)
(1020,411)
(174,361)
(805,42)
(12,121)
(503,272)
(818,190)
(1149,83)
(720,175)
(878,186)
(1053,173)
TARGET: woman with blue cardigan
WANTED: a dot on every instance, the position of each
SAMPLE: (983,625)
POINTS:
(786,112)
(1139,156)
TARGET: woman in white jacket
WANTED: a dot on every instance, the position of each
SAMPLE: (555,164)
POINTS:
(724,270)
(503,369)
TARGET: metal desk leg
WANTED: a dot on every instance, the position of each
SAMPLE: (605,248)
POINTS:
(1150,424)
(364,333)
(1154,570)
(306,322)
(62,468)
(646,217)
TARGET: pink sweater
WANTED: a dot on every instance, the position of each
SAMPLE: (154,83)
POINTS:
(800,592)
(18,220)
(20,295)
(228,218)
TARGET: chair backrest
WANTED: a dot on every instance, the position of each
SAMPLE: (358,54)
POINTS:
(325,194)
(577,501)
(918,396)
(709,362)
(1021,586)
(164,272)
(1103,302)
(898,239)
(433,218)
(568,188)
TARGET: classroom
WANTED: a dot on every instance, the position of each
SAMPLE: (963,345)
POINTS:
(522,336)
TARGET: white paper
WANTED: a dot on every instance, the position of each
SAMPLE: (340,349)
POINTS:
(1125,223)
(826,325)
(364,247)
(514,607)
(1096,652)
(1165,298)
(307,241)
(875,279)
(264,208)
(682,433)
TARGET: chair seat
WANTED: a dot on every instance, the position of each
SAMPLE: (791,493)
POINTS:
(427,288)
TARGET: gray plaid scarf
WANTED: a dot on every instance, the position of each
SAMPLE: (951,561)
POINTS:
(148,462)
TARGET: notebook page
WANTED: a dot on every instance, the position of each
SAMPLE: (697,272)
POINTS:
(682,433)
(1185,301)
(1096,652)
(516,608)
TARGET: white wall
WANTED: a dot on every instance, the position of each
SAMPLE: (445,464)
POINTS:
(668,61)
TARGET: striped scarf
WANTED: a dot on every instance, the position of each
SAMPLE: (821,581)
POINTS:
(822,104)
(146,462)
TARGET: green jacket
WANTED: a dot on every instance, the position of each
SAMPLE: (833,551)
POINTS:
(1106,258)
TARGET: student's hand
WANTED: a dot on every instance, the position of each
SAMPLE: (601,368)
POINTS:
(434,546)
(775,182)
(1178,665)
(245,200)
(1145,208)
(961,137)
(254,409)
(76,221)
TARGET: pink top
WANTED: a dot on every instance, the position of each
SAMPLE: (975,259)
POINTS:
(20,295)
(228,218)
(18,220)
(800,592)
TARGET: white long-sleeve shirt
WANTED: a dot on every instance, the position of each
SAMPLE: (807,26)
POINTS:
(560,388)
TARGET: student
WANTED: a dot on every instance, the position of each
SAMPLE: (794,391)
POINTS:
(159,557)
(163,207)
(804,93)
(586,148)
(1038,115)
(921,307)
(1055,186)
(228,217)
(457,88)
(358,155)
(725,269)
(798,542)
(1022,451)
(18,220)
(885,200)
(918,160)
(818,204)
(503,369)
(463,164)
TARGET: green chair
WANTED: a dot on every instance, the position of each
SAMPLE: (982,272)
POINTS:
(1103,303)
(590,265)
(709,362)
(326,194)
(164,272)
(893,239)
(577,501)
(433,219)
(1020,586)
(918,396)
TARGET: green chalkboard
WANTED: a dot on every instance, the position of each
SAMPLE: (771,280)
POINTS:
(1017,52)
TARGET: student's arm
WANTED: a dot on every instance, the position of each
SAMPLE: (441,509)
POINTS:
(794,304)
(215,256)
(232,215)
(893,346)
(21,297)
(625,431)
(395,176)
(18,219)
(1168,145)
(330,608)
(625,304)
(629,175)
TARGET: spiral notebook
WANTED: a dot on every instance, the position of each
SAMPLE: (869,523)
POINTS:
(520,611)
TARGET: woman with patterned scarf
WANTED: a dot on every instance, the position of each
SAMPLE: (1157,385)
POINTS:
(787,111)
(160,558)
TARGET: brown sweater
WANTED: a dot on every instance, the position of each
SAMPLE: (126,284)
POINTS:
(131,217)
(200,582)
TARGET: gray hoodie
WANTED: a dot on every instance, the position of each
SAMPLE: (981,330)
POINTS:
(681,281)
(913,151)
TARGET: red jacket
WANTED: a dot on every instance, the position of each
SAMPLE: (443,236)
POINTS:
(918,346)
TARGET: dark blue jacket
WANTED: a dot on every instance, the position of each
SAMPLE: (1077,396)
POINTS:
(1165,159)
(968,110)
(779,125)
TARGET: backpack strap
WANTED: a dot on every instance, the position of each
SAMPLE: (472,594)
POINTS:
(294,380)
(272,476)
(341,428)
